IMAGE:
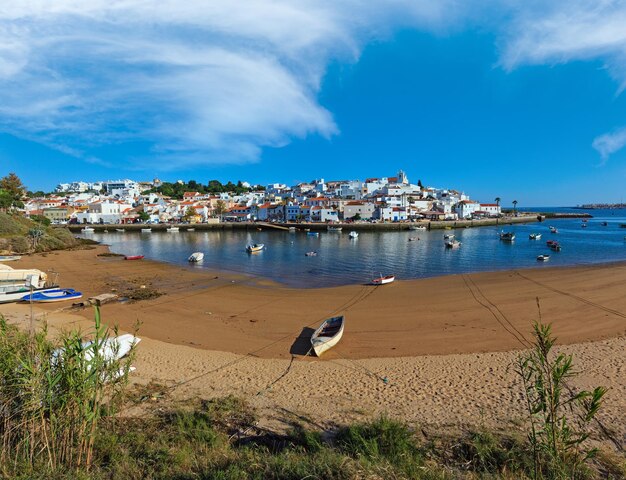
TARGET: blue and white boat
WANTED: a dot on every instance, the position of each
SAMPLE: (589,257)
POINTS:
(56,295)
(15,293)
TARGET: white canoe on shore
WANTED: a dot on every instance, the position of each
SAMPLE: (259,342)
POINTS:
(327,335)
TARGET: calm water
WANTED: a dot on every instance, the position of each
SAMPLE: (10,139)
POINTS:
(341,260)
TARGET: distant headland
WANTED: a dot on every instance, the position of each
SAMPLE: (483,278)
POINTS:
(603,206)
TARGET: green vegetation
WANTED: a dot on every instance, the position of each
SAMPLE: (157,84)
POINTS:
(176,190)
(53,396)
(11,192)
(21,235)
(559,417)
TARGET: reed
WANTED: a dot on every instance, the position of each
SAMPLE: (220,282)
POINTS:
(53,396)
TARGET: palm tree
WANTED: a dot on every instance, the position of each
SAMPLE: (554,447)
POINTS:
(514,202)
(498,201)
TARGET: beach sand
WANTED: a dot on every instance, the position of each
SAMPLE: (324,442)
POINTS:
(444,345)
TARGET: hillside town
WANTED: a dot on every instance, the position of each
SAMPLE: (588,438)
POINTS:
(384,199)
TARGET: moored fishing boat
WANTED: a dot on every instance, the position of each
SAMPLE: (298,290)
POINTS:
(196,257)
(353,234)
(146,230)
(56,295)
(383,280)
(88,230)
(292,229)
(448,236)
(310,254)
(256,247)
(9,258)
(417,227)
(453,243)
(556,246)
(507,236)
(173,229)
(133,257)
(535,236)
(313,234)
(121,230)
(553,230)
(334,229)
(327,335)
(543,258)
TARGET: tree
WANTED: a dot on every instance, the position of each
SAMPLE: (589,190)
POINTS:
(356,217)
(498,201)
(5,200)
(419,184)
(190,213)
(514,206)
(13,186)
(220,208)
(144,216)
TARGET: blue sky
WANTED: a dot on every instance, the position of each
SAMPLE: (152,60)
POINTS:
(511,99)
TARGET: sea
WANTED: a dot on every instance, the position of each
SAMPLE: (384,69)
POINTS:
(342,261)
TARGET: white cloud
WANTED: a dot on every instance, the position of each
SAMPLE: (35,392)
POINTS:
(207,82)
(200,81)
(610,143)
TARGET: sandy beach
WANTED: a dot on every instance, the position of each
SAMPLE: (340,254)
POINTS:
(444,345)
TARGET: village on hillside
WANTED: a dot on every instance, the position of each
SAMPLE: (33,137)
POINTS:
(385,199)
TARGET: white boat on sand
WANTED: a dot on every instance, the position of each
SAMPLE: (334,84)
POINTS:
(9,258)
(327,335)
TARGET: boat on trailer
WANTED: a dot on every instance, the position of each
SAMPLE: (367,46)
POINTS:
(57,295)
(327,335)
(383,280)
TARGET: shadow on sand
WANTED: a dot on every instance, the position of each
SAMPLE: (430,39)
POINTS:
(302,345)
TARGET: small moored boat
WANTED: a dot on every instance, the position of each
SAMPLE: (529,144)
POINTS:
(313,234)
(383,280)
(133,257)
(553,230)
(334,229)
(121,230)
(146,230)
(453,243)
(507,236)
(448,236)
(543,258)
(196,257)
(256,247)
(327,335)
(173,229)
(535,236)
(310,254)
(57,295)
(556,246)
(9,258)
(604,224)
(417,227)
(88,230)
(353,234)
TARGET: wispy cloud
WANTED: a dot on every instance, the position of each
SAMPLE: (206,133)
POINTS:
(610,143)
(215,82)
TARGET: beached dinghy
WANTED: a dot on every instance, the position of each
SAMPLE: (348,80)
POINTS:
(383,280)
(133,257)
(196,257)
(15,293)
(327,335)
(57,295)
(9,258)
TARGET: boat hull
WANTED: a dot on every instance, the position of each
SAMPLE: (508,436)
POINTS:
(322,343)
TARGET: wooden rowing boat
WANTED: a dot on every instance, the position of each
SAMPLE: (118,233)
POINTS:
(383,280)
(327,335)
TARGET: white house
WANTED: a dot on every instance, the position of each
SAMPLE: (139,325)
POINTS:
(491,209)
(365,210)
(466,208)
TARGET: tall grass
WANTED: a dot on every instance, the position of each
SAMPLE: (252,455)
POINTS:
(53,396)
